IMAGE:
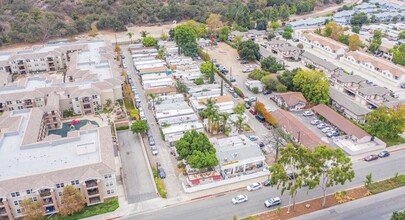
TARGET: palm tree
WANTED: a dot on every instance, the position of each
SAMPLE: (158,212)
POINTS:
(224,119)
(153,97)
(239,123)
(130,35)
(144,33)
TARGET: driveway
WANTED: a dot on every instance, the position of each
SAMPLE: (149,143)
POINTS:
(164,158)
(137,179)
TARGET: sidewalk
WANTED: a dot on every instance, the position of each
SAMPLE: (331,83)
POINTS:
(389,149)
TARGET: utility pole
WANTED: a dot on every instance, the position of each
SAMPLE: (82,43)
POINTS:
(299,136)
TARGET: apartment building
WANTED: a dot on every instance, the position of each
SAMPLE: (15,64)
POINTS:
(330,46)
(376,66)
(320,64)
(37,166)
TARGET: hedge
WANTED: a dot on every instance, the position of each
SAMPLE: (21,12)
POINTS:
(159,184)
(239,92)
(120,128)
(204,55)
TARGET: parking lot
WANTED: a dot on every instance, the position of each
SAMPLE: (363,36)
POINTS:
(306,120)
(138,182)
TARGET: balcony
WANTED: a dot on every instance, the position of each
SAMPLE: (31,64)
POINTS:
(21,67)
(28,102)
(86,99)
(3,212)
(45,193)
(50,210)
(93,193)
(20,62)
(91,184)
(50,59)
(94,201)
(87,106)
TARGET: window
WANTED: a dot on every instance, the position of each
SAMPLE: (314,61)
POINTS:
(110,191)
(75,182)
(60,193)
(34,199)
(29,191)
(19,211)
(16,203)
(60,185)
(11,109)
(107,176)
(108,183)
(15,194)
(8,102)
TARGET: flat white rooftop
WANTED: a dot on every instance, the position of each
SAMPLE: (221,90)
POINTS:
(91,60)
(17,161)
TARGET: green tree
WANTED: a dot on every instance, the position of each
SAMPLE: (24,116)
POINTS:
(214,24)
(255,90)
(401,35)
(275,25)
(181,87)
(281,88)
(313,85)
(139,127)
(269,64)
(271,35)
(258,74)
(72,201)
(295,161)
(386,122)
(399,55)
(185,37)
(261,24)
(239,109)
(356,29)
(287,34)
(248,50)
(198,28)
(199,81)
(284,12)
(164,36)
(330,167)
(149,41)
(286,78)
(130,35)
(205,68)
(270,82)
(274,14)
(32,210)
(223,33)
(376,41)
(196,148)
(359,19)
(369,180)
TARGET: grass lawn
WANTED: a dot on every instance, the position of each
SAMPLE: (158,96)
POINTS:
(108,206)
(388,184)
(393,141)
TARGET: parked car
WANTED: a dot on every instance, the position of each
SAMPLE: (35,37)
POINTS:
(247,106)
(316,122)
(161,173)
(253,137)
(272,202)
(231,79)
(371,157)
(327,129)
(137,104)
(239,199)
(151,140)
(267,182)
(253,99)
(154,150)
(124,65)
(291,176)
(234,95)
(332,134)
(403,85)
(260,118)
(237,58)
(266,92)
(231,90)
(384,154)
(253,112)
(254,186)
(308,113)
(321,125)
(226,85)
(244,62)
(261,144)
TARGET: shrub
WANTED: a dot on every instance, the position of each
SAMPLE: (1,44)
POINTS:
(134,114)
(204,56)
(281,88)
(260,109)
(120,128)
(239,92)
(255,90)
(160,188)
(199,81)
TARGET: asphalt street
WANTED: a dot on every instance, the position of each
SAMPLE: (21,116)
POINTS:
(380,206)
(220,207)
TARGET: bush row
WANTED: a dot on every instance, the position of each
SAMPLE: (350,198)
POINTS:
(388,184)
(121,128)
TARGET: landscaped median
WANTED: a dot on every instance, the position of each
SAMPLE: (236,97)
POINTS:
(88,211)
(332,199)
(159,184)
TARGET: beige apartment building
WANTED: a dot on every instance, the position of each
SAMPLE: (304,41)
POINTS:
(83,159)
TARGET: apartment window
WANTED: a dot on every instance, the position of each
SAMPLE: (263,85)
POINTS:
(34,199)
(18,102)
(9,102)
(42,59)
(20,107)
(110,191)
(75,182)
(76,99)
(28,60)
(60,185)
(11,109)
(108,183)
(16,203)
(15,194)
(60,193)
(94,96)
(107,176)
(19,211)
(29,191)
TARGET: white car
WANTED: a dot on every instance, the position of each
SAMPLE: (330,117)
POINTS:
(316,122)
(308,113)
(254,186)
(239,199)
(327,129)
(154,150)
(272,202)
